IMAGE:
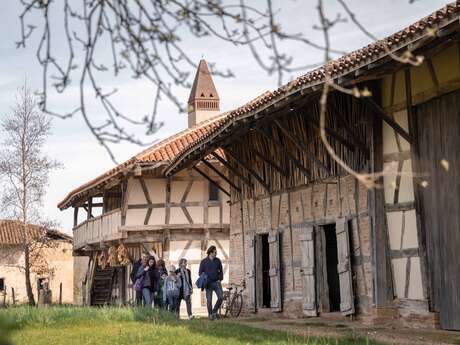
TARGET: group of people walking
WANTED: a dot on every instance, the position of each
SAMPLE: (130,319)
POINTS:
(156,286)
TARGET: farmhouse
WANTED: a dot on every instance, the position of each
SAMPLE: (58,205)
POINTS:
(51,262)
(306,235)
(134,208)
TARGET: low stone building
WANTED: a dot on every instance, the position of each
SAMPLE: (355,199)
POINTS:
(309,233)
(52,264)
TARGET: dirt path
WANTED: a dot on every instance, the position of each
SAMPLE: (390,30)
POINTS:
(350,329)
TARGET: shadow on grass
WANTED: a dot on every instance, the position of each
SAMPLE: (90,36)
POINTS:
(210,332)
(251,335)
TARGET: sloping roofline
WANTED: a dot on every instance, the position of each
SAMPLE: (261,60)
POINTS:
(311,81)
(156,155)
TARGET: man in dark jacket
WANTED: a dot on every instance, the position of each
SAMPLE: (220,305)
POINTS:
(212,266)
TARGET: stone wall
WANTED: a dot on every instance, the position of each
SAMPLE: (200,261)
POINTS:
(60,262)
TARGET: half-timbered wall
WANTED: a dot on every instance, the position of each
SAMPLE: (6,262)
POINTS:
(182,199)
(178,213)
(291,213)
(438,74)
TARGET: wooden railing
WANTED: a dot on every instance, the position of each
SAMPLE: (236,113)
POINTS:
(103,227)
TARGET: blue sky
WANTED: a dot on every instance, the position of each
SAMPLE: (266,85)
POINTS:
(82,157)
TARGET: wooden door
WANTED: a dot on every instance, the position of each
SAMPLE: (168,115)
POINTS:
(347,305)
(275,276)
(251,274)
(438,134)
(307,270)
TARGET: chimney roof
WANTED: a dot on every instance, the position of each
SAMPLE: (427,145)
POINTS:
(203,86)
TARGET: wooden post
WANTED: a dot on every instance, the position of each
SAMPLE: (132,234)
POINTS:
(383,282)
(415,154)
(124,200)
(60,293)
(4,297)
(13,296)
(75,216)
(90,208)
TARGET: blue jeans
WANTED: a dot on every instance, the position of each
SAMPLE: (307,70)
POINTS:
(147,297)
(217,288)
(173,304)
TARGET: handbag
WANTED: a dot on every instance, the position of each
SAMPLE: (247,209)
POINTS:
(139,284)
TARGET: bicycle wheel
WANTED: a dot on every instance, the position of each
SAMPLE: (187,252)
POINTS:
(236,305)
(223,310)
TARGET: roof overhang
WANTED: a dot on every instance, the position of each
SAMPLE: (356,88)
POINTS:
(354,67)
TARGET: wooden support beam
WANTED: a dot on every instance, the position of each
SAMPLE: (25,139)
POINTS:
(210,180)
(233,170)
(75,216)
(377,109)
(296,162)
(89,210)
(270,162)
(420,216)
(331,132)
(222,176)
(356,140)
(96,204)
(301,146)
(248,169)
(124,200)
(383,282)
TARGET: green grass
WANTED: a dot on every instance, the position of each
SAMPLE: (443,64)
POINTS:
(73,325)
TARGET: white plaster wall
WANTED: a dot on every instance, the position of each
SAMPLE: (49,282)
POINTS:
(402,225)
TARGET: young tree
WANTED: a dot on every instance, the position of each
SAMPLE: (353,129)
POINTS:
(25,170)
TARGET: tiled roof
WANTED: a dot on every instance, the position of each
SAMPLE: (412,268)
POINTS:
(11,233)
(164,151)
(203,86)
(335,68)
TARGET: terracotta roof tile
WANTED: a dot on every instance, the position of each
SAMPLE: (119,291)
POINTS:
(11,232)
(164,151)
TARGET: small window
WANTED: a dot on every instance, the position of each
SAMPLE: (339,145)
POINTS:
(213,192)
(2,284)
(210,95)
(202,95)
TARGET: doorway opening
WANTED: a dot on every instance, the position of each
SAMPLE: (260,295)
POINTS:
(333,281)
(265,250)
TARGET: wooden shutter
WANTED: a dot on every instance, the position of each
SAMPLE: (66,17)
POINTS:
(347,305)
(251,274)
(307,271)
(274,273)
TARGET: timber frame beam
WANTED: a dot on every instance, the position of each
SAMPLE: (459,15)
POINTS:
(378,110)
(225,178)
(296,162)
(301,146)
(233,170)
(251,172)
(267,160)
(210,180)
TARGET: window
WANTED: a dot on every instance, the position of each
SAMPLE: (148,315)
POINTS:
(213,192)
(2,284)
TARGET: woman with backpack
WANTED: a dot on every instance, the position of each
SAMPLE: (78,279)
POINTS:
(171,290)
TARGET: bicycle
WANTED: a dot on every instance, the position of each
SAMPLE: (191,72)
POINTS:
(233,301)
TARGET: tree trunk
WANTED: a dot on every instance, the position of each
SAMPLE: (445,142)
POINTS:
(30,294)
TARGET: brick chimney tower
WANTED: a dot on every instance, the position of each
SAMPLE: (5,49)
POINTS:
(203,102)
